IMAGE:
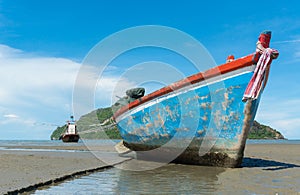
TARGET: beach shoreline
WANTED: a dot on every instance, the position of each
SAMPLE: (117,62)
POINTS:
(25,170)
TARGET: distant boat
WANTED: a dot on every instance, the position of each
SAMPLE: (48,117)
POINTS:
(203,119)
(70,135)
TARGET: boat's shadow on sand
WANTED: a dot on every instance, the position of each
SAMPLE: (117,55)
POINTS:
(269,165)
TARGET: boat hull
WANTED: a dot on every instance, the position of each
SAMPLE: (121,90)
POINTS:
(70,138)
(204,123)
(225,152)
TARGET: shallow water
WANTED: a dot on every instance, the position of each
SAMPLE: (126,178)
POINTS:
(272,141)
(54,142)
(170,179)
(52,145)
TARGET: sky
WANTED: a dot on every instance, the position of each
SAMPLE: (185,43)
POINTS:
(43,45)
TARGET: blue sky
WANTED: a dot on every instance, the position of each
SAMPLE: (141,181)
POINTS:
(43,43)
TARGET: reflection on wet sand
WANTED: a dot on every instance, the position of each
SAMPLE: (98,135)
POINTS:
(168,179)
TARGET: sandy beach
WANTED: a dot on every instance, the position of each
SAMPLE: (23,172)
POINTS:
(267,168)
(22,170)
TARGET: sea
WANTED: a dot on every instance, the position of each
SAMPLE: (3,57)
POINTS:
(168,179)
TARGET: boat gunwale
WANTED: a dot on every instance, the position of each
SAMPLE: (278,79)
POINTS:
(196,78)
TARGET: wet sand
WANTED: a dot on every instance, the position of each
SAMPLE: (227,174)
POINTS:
(22,170)
(267,168)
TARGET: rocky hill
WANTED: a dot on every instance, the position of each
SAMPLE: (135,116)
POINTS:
(98,124)
(260,131)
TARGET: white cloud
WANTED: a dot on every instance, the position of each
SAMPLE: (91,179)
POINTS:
(17,120)
(289,126)
(92,90)
(287,41)
(37,88)
(282,115)
(26,77)
(8,52)
(40,88)
(10,116)
(112,87)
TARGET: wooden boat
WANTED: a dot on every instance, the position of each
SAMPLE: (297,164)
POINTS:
(199,120)
(70,134)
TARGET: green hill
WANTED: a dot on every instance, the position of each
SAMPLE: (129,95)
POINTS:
(99,124)
(260,131)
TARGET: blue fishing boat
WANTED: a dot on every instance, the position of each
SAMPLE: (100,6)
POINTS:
(203,119)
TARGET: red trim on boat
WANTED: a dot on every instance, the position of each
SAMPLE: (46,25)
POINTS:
(196,78)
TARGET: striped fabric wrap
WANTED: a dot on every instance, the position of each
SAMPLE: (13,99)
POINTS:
(255,84)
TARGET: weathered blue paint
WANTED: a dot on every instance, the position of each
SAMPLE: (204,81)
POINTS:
(193,118)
